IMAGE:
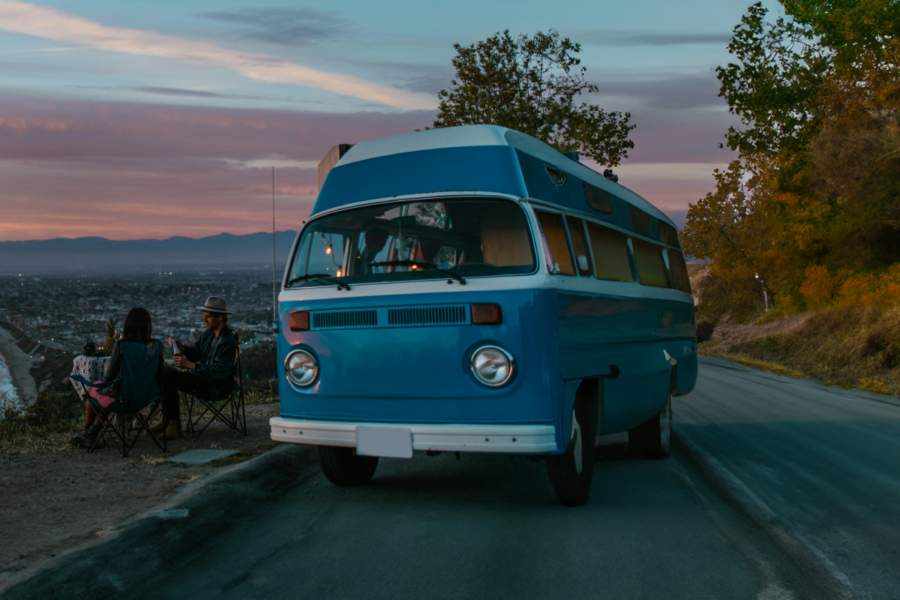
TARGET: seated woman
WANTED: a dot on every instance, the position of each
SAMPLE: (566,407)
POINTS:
(138,327)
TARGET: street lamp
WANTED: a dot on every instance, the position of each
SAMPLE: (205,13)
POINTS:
(762,280)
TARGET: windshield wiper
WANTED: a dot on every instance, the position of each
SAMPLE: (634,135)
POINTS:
(320,276)
(419,265)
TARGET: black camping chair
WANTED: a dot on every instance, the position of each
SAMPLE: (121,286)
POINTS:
(224,404)
(139,398)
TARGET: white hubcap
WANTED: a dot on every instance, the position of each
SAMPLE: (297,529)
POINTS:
(665,425)
(576,435)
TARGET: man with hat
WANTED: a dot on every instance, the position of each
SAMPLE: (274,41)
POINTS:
(202,368)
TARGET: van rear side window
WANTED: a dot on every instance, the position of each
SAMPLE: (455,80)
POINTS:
(610,254)
(579,245)
(678,269)
(650,263)
(554,234)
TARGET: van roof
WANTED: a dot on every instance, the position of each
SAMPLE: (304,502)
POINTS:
(482,158)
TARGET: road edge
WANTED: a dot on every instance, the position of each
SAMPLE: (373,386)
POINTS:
(136,554)
(831,583)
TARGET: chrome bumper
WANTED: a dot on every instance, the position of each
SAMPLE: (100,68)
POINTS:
(505,439)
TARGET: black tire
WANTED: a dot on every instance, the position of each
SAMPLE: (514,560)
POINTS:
(652,439)
(571,483)
(342,466)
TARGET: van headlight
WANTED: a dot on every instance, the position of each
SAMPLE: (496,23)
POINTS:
(301,367)
(492,366)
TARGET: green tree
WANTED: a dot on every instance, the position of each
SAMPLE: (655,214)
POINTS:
(774,88)
(531,84)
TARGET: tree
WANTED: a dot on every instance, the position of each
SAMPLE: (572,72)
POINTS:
(530,84)
(775,86)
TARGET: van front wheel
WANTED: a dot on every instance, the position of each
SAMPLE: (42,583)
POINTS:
(571,472)
(342,466)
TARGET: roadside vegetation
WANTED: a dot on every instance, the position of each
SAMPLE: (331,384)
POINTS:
(58,414)
(806,222)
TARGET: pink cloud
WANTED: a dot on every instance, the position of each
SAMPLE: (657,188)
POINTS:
(131,170)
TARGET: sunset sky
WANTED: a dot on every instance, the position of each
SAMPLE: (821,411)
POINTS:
(135,120)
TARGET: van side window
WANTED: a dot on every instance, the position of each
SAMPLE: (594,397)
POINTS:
(610,253)
(555,241)
(668,235)
(678,269)
(579,245)
(650,263)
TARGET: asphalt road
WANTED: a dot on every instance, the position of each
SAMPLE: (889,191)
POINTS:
(483,527)
(818,467)
(780,489)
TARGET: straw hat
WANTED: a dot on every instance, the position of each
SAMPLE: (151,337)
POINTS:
(216,305)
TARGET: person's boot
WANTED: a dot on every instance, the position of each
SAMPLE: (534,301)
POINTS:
(159,427)
(173,430)
(88,439)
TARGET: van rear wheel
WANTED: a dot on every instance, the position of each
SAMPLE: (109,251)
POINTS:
(572,471)
(342,466)
(652,439)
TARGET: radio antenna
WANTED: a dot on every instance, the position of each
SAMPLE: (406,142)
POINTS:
(274,287)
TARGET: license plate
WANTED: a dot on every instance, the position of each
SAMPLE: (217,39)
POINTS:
(392,442)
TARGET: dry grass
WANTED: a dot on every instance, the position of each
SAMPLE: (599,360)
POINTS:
(854,347)
(767,366)
(59,414)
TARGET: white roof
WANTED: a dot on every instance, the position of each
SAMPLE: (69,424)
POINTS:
(492,135)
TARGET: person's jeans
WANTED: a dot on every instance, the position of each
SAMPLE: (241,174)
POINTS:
(175,381)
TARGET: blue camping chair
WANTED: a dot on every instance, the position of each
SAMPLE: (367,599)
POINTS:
(224,404)
(139,392)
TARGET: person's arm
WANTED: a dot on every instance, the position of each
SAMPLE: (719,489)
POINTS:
(192,353)
(221,361)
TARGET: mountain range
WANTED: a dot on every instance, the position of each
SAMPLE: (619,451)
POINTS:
(94,254)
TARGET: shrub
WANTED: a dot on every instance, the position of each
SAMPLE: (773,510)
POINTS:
(817,286)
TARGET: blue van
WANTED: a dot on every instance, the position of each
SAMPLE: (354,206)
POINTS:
(472,289)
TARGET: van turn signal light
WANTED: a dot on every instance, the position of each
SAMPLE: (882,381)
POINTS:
(486,314)
(299,320)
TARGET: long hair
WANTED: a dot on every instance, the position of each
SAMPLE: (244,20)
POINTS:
(138,326)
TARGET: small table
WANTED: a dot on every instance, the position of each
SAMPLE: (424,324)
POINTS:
(92,368)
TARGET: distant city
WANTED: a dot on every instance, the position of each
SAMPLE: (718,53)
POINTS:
(55,315)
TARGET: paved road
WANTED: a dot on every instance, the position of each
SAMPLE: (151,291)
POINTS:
(817,466)
(483,527)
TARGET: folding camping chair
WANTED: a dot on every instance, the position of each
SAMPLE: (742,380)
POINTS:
(139,398)
(225,404)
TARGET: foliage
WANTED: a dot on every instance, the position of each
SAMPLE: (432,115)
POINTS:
(59,410)
(813,204)
(530,84)
(817,286)
(773,88)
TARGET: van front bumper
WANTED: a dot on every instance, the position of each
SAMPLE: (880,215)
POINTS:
(504,439)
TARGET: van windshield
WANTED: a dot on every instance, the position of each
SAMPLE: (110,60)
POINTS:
(414,240)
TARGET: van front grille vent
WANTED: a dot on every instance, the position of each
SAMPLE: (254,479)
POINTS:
(428,315)
(345,319)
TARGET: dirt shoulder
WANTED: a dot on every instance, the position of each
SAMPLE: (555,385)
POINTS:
(58,497)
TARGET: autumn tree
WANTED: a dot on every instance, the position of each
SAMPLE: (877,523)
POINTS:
(818,94)
(532,85)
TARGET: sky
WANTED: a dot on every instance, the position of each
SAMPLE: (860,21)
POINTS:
(133,120)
